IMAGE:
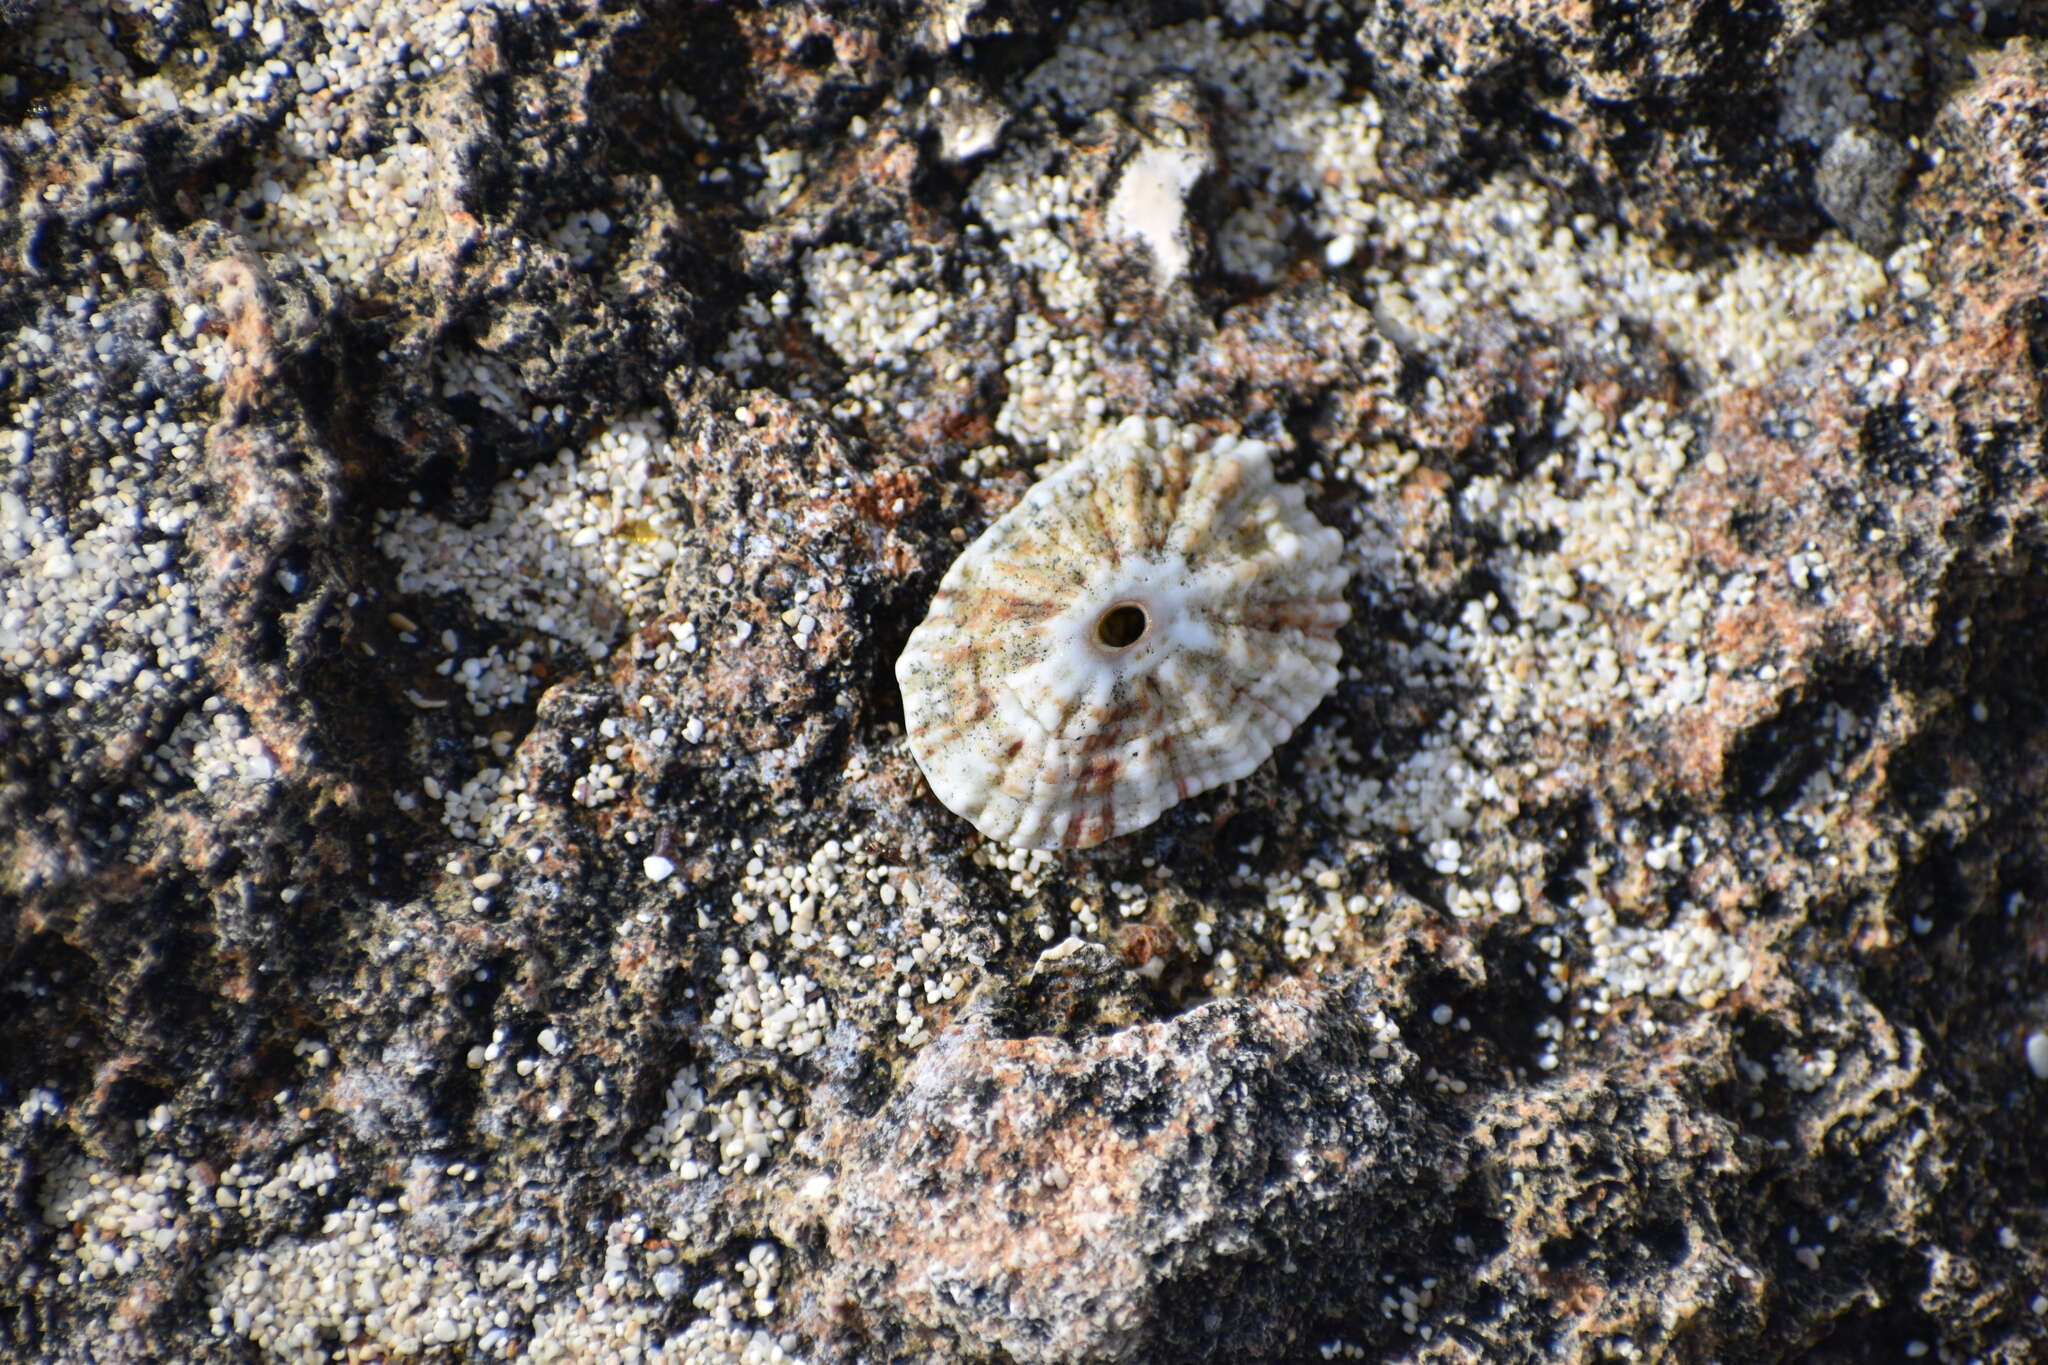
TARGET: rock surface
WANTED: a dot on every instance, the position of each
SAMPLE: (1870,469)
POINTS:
(467,469)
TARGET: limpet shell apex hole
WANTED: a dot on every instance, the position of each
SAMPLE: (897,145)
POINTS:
(1122,626)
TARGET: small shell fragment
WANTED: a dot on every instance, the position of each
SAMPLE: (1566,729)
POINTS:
(1148,623)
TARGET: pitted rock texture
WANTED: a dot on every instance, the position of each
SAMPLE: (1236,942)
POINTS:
(468,466)
(1102,1199)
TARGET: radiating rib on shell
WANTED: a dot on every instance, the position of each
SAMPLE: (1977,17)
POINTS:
(1028,714)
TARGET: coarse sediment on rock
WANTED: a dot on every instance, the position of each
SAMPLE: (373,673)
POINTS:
(469,469)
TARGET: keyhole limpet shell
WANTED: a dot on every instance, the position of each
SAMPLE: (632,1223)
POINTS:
(1149,622)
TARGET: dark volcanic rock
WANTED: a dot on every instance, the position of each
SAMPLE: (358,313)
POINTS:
(467,468)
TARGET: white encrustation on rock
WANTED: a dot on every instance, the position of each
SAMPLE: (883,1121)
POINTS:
(1149,622)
